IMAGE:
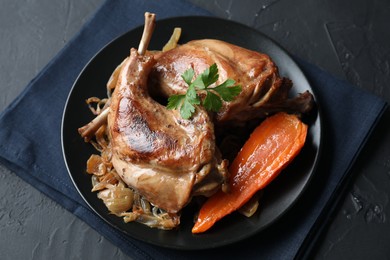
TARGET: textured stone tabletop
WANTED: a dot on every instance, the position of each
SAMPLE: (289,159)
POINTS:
(350,39)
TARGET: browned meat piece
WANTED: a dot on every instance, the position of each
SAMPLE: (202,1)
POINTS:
(168,159)
(263,90)
(155,151)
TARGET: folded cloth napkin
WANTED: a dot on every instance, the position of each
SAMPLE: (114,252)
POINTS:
(30,143)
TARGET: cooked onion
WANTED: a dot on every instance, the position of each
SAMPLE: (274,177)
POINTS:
(117,198)
(172,43)
(96,166)
(104,182)
(99,104)
(251,206)
(160,222)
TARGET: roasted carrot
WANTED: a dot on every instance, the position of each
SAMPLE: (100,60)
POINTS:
(269,149)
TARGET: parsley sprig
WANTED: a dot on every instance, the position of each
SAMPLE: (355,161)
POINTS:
(203,83)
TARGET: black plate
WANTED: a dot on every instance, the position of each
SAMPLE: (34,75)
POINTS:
(277,198)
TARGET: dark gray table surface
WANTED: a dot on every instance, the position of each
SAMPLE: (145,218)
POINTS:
(348,38)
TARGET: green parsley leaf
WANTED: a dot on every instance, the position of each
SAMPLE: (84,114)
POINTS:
(187,109)
(188,75)
(212,102)
(207,78)
(175,101)
(184,103)
(192,96)
(227,90)
(210,75)
(202,83)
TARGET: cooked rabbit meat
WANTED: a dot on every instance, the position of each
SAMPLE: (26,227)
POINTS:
(263,90)
(155,151)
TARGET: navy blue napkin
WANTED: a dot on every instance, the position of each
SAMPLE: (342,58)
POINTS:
(30,142)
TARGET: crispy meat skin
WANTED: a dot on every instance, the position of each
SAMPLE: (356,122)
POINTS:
(263,90)
(155,151)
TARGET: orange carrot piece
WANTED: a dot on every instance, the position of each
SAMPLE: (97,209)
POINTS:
(269,149)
